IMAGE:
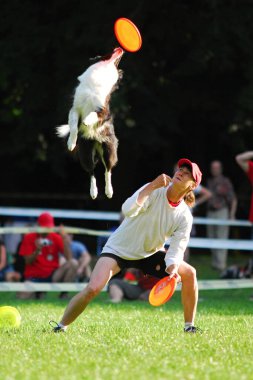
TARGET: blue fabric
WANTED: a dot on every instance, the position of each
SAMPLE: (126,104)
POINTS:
(77,249)
(7,269)
(40,280)
(101,240)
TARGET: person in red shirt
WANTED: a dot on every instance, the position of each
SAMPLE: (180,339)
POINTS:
(41,252)
(245,161)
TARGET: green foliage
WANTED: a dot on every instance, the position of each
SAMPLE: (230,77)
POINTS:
(187,92)
(131,340)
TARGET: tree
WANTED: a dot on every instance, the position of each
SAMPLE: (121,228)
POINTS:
(187,92)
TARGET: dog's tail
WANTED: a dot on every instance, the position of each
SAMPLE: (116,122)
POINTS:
(62,130)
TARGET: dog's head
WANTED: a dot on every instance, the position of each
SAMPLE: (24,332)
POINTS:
(104,73)
(114,57)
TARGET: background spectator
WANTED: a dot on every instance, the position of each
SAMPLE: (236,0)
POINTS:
(222,205)
(41,253)
(245,161)
(133,286)
(7,271)
(82,256)
(202,194)
(13,240)
(3,261)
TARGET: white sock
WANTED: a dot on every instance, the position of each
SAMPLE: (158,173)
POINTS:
(62,326)
(188,324)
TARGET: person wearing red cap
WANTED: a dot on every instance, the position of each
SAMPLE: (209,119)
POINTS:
(155,212)
(41,255)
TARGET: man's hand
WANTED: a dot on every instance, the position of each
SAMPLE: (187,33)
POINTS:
(161,181)
(38,244)
(172,271)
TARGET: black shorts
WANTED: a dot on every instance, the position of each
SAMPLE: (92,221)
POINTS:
(153,265)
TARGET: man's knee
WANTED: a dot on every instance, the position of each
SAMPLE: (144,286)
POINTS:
(115,288)
(73,263)
(189,274)
(93,289)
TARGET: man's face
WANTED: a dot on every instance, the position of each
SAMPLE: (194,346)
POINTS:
(216,168)
(183,176)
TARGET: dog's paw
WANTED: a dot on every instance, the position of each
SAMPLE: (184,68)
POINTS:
(108,184)
(71,146)
(71,143)
(109,192)
(91,119)
(93,188)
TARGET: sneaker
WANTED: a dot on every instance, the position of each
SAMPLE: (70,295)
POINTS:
(56,327)
(192,329)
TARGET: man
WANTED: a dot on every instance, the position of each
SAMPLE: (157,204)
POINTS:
(82,256)
(155,212)
(245,161)
(136,288)
(222,205)
(41,253)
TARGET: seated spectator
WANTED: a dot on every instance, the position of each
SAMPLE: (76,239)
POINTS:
(133,286)
(82,256)
(239,271)
(3,261)
(13,240)
(7,271)
(41,253)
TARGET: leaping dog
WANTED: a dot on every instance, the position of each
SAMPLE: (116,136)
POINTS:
(90,124)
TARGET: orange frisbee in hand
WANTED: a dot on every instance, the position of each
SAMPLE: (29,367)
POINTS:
(163,291)
(127,34)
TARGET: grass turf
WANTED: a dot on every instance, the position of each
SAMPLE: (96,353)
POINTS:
(131,340)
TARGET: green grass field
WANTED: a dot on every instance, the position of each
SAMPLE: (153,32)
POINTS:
(132,340)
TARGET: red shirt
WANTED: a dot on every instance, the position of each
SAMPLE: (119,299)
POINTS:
(250,176)
(147,282)
(47,261)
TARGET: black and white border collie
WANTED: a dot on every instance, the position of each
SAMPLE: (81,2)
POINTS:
(90,123)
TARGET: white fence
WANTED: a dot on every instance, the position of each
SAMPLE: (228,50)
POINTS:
(231,244)
(76,287)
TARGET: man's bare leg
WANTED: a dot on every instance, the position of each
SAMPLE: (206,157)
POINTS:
(189,291)
(115,293)
(104,269)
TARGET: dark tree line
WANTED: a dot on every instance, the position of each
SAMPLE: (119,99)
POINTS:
(187,92)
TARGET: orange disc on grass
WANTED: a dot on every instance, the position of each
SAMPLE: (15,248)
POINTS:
(127,34)
(162,291)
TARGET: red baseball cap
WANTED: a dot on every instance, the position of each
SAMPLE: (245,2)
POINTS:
(46,220)
(196,173)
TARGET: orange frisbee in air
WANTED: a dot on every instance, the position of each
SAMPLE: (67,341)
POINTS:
(162,291)
(127,34)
